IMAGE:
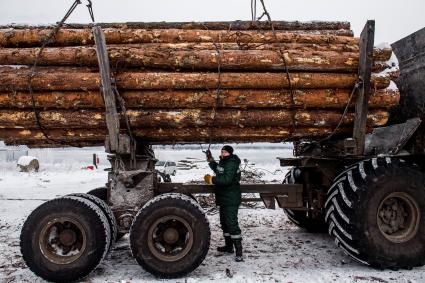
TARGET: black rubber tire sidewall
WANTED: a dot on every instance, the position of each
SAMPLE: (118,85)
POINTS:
(300,218)
(101,193)
(384,253)
(106,210)
(139,237)
(96,241)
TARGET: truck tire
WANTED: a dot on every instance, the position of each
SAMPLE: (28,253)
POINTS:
(108,213)
(170,236)
(64,239)
(376,213)
(302,218)
(102,193)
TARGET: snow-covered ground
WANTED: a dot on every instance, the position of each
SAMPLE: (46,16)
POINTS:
(275,249)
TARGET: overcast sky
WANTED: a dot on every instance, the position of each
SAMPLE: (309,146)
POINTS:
(394,18)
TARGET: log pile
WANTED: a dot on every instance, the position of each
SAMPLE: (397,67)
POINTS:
(167,74)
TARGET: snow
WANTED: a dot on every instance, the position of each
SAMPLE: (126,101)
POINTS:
(392,86)
(16,67)
(383,45)
(25,160)
(275,249)
(393,66)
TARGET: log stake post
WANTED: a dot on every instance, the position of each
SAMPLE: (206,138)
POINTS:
(130,186)
(111,114)
(365,68)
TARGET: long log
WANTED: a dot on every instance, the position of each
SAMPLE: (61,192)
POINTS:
(232,98)
(26,69)
(73,37)
(244,60)
(187,118)
(55,81)
(380,54)
(168,136)
(228,25)
(47,144)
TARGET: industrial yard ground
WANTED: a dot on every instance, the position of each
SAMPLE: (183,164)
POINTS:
(275,249)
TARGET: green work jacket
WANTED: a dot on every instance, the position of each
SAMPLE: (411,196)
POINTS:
(226,181)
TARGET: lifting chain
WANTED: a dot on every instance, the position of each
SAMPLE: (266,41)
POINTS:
(283,58)
(45,42)
(217,96)
(357,85)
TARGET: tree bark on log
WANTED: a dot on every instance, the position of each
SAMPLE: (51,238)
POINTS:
(62,81)
(244,60)
(73,37)
(186,118)
(254,104)
(168,136)
(226,25)
(379,54)
(231,98)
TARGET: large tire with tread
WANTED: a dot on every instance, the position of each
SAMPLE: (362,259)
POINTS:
(303,219)
(108,213)
(64,239)
(102,193)
(170,236)
(376,213)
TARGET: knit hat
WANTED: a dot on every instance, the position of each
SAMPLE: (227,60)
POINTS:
(228,148)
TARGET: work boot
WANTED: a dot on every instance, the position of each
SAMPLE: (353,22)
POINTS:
(228,247)
(238,248)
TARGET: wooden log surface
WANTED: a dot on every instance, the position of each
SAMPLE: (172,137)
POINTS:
(73,37)
(380,54)
(186,118)
(168,135)
(244,60)
(222,25)
(61,80)
(230,98)
(48,144)
(26,69)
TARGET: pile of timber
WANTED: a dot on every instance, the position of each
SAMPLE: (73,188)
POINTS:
(167,74)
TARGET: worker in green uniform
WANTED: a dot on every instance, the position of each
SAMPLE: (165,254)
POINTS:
(227,197)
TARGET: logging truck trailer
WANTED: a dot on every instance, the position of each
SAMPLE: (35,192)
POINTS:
(367,191)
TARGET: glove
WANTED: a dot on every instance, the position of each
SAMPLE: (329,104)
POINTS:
(209,155)
(208,179)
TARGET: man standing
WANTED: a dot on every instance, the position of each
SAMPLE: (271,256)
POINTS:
(227,197)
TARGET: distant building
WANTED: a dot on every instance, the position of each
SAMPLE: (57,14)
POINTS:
(12,153)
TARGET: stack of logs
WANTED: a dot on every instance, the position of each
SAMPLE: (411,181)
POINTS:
(187,82)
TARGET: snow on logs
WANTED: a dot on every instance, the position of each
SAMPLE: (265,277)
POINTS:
(167,75)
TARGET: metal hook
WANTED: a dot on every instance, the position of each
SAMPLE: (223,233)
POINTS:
(90,8)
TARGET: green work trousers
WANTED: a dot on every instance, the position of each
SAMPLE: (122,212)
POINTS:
(229,221)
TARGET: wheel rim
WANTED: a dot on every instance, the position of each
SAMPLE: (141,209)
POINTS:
(62,240)
(170,238)
(398,217)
